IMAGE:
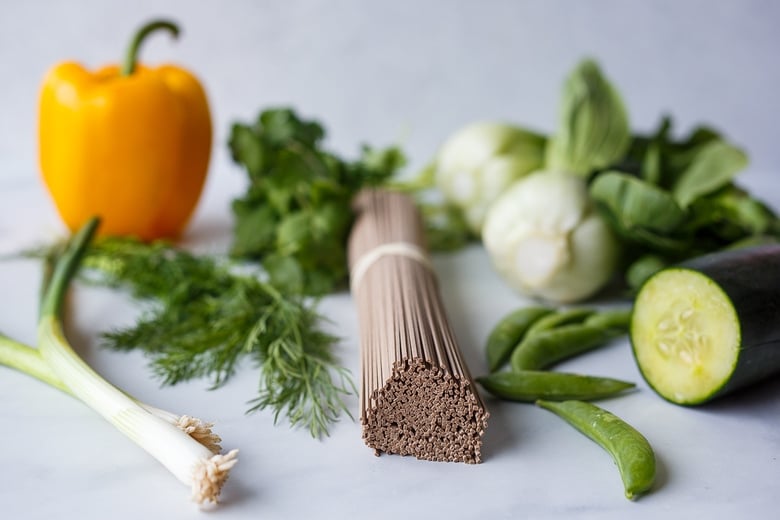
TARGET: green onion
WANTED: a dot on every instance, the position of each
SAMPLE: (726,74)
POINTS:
(28,360)
(182,444)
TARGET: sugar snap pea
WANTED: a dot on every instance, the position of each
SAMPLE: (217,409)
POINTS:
(630,449)
(558,319)
(508,333)
(532,385)
(616,321)
(547,347)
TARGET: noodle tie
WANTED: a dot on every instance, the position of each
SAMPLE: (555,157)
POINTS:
(367,259)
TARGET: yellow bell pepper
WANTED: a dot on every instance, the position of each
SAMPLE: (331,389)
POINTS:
(129,144)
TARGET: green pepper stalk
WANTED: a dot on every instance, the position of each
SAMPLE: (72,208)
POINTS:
(131,56)
(190,461)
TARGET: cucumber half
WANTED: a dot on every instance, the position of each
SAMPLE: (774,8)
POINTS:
(709,326)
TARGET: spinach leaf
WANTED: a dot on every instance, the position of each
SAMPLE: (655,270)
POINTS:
(713,167)
(634,203)
(640,213)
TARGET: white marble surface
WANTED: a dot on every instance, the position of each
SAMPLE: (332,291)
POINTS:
(380,72)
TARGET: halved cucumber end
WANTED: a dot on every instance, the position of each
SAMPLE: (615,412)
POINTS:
(685,335)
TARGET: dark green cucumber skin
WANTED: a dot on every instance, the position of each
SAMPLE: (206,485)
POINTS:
(750,278)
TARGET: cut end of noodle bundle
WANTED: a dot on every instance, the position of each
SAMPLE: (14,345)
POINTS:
(426,412)
(417,397)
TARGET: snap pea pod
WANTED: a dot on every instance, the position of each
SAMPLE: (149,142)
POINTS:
(547,347)
(509,332)
(558,319)
(617,321)
(532,385)
(630,450)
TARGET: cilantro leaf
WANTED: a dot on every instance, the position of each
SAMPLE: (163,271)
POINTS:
(295,216)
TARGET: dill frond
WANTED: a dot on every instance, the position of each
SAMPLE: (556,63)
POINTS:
(202,319)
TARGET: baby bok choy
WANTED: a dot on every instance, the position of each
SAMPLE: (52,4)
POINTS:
(544,234)
(546,239)
(182,444)
(479,161)
(594,130)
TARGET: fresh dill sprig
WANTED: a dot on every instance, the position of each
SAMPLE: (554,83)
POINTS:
(203,318)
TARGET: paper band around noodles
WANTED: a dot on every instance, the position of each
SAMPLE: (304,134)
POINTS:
(405,249)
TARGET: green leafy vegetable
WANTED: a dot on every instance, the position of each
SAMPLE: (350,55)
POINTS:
(714,167)
(632,203)
(203,319)
(295,215)
(671,200)
(594,130)
(660,159)
(641,214)
(731,214)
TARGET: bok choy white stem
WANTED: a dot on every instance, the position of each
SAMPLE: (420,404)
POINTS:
(546,239)
(190,461)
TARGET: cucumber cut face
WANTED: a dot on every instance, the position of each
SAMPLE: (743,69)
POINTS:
(686,335)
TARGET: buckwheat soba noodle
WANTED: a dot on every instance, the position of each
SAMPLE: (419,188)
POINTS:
(416,396)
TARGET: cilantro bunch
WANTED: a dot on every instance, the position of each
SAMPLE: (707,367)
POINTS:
(296,213)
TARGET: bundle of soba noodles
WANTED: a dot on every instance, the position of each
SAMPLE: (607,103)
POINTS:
(416,397)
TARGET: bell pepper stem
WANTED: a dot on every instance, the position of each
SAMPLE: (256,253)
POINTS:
(131,56)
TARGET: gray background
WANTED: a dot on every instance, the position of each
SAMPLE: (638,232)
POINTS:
(413,71)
